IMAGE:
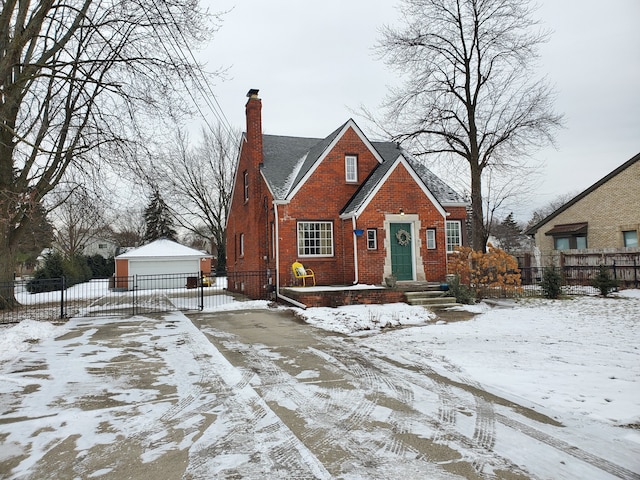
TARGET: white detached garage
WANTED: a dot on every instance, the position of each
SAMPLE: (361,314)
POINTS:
(160,264)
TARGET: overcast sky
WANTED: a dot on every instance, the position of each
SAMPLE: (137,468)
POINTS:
(314,66)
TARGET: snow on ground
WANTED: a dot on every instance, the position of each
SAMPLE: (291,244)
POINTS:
(355,319)
(22,336)
(579,356)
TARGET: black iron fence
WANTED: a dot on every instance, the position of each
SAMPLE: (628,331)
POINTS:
(58,298)
(576,280)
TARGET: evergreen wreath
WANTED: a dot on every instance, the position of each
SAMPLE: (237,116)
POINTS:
(403,237)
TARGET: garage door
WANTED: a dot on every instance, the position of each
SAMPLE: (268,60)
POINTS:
(163,273)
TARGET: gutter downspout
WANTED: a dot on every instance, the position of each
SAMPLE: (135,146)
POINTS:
(278,294)
(355,251)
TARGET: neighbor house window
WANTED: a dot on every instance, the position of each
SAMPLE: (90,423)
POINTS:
(561,243)
(630,238)
(372,239)
(351,168)
(246,185)
(431,239)
(454,235)
(315,239)
(102,246)
(569,236)
(241,246)
(570,243)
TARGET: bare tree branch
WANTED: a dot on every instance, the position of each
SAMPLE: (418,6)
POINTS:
(468,93)
(80,82)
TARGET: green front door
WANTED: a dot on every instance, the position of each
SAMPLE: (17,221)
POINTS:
(401,253)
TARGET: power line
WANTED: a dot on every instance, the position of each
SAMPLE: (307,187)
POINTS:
(195,73)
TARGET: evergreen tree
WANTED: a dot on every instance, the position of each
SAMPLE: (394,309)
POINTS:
(158,219)
(509,234)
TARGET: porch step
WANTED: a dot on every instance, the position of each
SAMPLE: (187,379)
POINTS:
(432,299)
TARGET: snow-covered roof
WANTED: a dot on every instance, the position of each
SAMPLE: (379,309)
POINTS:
(163,248)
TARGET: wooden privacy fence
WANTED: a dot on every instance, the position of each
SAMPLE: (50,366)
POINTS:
(581,267)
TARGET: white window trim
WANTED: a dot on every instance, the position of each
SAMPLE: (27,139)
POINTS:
(242,244)
(431,239)
(300,248)
(374,239)
(246,185)
(354,178)
(459,244)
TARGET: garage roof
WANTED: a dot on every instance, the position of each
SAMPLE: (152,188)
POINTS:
(163,248)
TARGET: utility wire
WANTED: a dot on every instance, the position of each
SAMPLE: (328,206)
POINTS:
(195,73)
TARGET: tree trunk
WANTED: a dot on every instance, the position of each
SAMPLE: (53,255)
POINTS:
(7,256)
(478,231)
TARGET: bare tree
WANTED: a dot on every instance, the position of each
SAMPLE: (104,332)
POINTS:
(129,227)
(78,220)
(470,93)
(198,182)
(78,80)
(542,212)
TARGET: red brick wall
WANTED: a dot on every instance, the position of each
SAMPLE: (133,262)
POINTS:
(249,217)
(320,199)
(401,192)
(346,297)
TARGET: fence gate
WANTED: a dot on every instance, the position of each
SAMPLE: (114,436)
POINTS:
(59,298)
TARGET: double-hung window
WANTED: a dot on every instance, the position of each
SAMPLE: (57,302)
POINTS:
(315,239)
(431,239)
(454,235)
(351,168)
(372,239)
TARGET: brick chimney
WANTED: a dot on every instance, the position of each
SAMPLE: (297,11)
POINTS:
(253,111)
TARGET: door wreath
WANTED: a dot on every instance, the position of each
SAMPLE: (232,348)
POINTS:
(403,237)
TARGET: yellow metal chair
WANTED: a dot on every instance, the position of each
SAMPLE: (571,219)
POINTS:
(300,272)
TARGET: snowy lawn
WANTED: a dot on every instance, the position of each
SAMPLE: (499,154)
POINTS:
(578,356)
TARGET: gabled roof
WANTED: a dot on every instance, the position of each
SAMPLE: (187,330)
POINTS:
(287,161)
(532,230)
(377,179)
(393,154)
(163,248)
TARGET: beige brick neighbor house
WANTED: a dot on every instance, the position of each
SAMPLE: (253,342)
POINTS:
(604,217)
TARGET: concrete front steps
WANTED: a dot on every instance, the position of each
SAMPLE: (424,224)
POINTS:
(431,299)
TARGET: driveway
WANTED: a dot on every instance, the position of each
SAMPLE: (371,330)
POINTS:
(259,395)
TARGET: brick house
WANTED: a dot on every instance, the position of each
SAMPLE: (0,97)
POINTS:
(604,217)
(352,210)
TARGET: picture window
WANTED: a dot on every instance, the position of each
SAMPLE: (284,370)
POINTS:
(315,239)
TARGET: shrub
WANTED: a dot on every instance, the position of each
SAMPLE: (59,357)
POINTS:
(47,278)
(101,267)
(495,269)
(551,282)
(603,281)
(462,292)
